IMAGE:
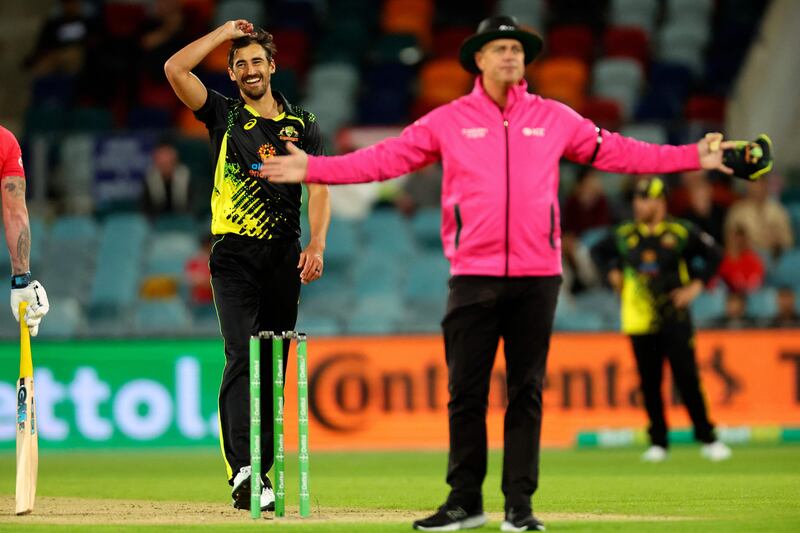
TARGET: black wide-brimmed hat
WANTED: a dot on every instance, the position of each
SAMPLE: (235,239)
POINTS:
(499,27)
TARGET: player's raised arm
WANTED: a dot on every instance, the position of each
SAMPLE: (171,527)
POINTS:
(178,68)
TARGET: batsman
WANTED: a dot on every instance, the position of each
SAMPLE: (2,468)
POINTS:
(257,265)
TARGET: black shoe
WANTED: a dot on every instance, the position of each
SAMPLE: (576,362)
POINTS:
(451,517)
(521,520)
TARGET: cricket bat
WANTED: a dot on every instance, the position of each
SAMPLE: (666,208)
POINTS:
(27,431)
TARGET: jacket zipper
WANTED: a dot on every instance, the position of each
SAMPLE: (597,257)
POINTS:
(508,192)
(458,224)
(552,226)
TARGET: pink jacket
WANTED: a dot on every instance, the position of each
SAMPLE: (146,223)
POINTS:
(500,213)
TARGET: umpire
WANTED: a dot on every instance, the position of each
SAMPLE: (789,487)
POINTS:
(256,263)
(500,146)
(653,262)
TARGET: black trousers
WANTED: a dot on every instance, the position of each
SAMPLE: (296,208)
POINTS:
(256,288)
(481,310)
(675,341)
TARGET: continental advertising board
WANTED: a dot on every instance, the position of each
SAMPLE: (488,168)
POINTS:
(379,392)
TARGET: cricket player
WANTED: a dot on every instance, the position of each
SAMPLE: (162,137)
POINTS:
(256,262)
(500,147)
(18,235)
(653,262)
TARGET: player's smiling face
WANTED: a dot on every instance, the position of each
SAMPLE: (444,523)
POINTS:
(251,70)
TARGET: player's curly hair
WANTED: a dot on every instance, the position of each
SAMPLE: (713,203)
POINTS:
(259,36)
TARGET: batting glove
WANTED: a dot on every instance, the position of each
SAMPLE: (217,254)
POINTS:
(750,159)
(32,292)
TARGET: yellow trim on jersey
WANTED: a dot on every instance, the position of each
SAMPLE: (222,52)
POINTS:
(222,194)
(678,229)
(683,272)
(637,313)
(252,110)
(298,119)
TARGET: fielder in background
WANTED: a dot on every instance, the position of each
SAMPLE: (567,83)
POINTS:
(256,262)
(500,146)
(18,235)
(659,265)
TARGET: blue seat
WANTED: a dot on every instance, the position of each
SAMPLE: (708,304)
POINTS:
(163,317)
(762,304)
(708,306)
(251,10)
(180,223)
(426,226)
(342,243)
(426,286)
(386,231)
(119,262)
(72,228)
(787,270)
(65,319)
(601,301)
(636,13)
(169,253)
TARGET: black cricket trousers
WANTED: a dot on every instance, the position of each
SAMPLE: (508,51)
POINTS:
(256,287)
(480,311)
(675,341)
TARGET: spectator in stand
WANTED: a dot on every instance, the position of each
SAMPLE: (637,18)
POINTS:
(586,206)
(787,316)
(63,40)
(198,276)
(167,187)
(741,269)
(161,35)
(702,209)
(765,219)
(721,192)
(735,316)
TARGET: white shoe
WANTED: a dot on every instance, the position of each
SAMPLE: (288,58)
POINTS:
(267,496)
(241,491)
(654,454)
(716,451)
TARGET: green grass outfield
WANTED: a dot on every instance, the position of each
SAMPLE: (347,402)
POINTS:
(581,490)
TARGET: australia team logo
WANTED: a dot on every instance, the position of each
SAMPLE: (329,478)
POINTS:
(289,133)
(265,151)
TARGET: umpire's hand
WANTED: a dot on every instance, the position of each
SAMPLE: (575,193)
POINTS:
(310,264)
(290,168)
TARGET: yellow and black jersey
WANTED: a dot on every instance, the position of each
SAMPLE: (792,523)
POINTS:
(654,262)
(241,201)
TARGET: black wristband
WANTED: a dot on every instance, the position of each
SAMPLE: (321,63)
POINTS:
(20,281)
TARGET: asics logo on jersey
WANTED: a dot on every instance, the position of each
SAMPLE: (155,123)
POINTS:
(250,124)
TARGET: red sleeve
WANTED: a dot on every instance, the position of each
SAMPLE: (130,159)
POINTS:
(11,162)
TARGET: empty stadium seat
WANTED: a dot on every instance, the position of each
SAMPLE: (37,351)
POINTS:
(708,307)
(571,41)
(561,78)
(527,12)
(629,42)
(618,79)
(163,317)
(250,10)
(65,319)
(762,304)
(169,252)
(634,13)
(426,226)
(787,269)
(651,133)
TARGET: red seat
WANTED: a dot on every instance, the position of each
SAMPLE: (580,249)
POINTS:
(198,14)
(705,109)
(572,41)
(123,20)
(447,41)
(293,50)
(627,42)
(603,112)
